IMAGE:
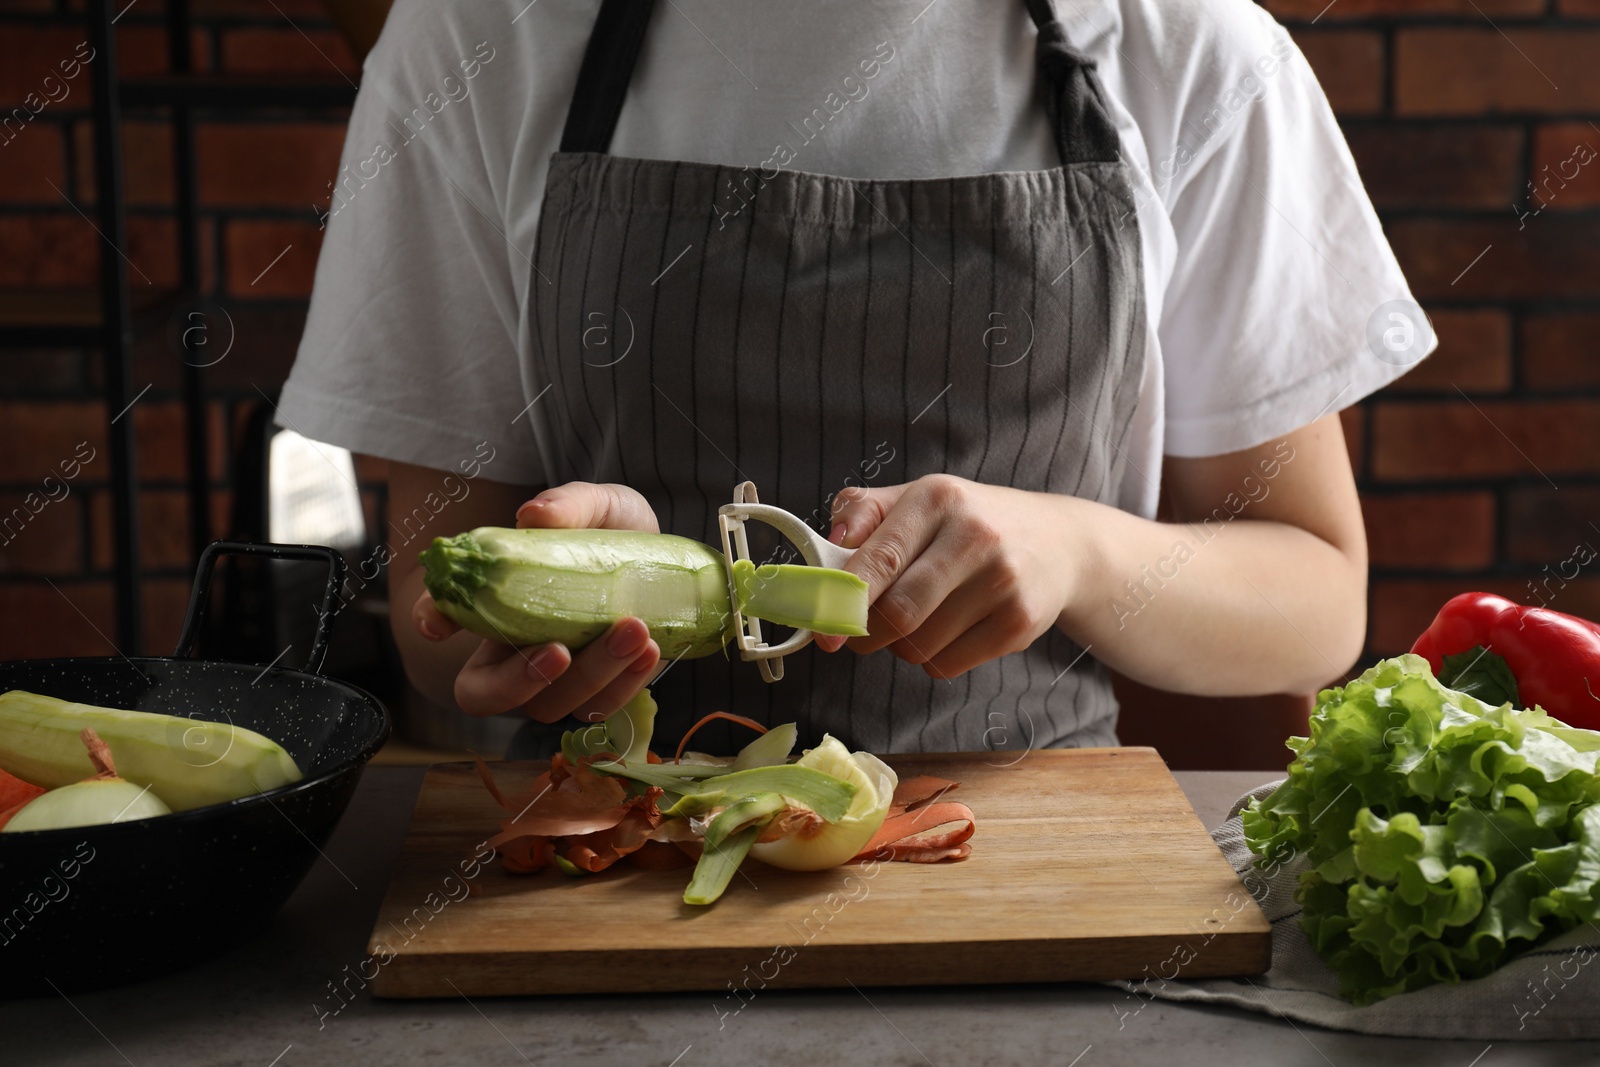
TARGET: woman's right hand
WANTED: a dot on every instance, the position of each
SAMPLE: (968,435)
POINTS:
(549,682)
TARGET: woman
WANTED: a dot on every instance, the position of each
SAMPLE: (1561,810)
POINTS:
(967,284)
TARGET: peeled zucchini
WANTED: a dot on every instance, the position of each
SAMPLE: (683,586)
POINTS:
(188,763)
(529,587)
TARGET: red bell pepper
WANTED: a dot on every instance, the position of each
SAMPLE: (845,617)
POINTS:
(1554,658)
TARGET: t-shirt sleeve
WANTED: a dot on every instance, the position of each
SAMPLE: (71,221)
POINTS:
(410,350)
(1281,300)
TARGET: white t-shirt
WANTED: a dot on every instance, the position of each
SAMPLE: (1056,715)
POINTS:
(1263,258)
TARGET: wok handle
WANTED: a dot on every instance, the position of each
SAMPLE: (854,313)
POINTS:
(331,603)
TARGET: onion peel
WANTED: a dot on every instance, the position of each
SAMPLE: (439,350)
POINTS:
(572,814)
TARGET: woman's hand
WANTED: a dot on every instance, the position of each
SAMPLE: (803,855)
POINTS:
(958,572)
(549,682)
(1256,585)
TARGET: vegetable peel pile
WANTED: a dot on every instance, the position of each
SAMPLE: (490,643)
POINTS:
(1443,836)
(607,797)
(572,815)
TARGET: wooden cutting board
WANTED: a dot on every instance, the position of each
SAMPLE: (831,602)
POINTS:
(1087,864)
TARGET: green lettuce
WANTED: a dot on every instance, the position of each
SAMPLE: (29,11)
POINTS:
(1440,836)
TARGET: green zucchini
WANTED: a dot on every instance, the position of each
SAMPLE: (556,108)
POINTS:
(717,866)
(530,587)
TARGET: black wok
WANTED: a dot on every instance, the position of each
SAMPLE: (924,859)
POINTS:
(96,906)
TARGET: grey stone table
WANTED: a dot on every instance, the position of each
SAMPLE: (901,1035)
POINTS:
(261,1004)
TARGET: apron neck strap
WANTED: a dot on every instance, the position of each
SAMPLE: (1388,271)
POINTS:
(1072,98)
(1078,113)
(603,79)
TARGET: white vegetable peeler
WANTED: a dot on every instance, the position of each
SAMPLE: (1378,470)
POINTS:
(817,551)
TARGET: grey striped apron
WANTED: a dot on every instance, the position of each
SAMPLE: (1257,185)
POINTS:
(699,325)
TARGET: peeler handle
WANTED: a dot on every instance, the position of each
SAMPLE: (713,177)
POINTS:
(818,552)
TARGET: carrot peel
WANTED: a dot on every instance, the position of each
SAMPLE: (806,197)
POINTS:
(921,827)
(715,715)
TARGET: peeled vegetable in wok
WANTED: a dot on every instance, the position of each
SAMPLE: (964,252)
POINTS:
(187,763)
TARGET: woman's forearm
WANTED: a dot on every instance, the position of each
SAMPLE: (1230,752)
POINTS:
(1240,607)
(1265,595)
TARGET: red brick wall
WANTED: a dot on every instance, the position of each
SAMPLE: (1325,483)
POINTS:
(1479,470)
(258,179)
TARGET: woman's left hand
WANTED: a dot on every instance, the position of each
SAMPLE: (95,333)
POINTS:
(958,572)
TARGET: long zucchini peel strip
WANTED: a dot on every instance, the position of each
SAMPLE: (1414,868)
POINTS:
(822,793)
(717,866)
